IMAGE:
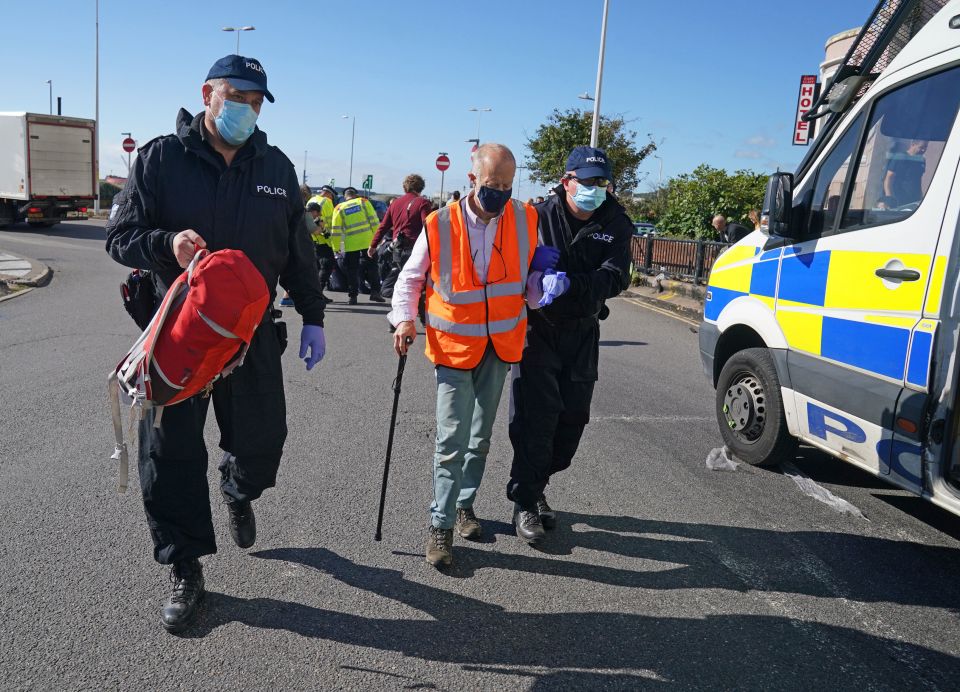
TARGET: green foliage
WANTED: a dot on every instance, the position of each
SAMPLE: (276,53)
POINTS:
(107,193)
(692,199)
(564,130)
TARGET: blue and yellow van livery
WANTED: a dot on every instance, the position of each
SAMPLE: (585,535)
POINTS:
(837,323)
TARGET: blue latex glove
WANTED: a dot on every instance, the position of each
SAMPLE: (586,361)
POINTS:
(312,336)
(544,258)
(554,284)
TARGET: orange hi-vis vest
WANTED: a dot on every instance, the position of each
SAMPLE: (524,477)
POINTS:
(464,311)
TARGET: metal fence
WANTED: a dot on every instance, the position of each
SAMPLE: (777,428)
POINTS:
(685,259)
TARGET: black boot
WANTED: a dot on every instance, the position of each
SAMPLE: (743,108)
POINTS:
(529,527)
(180,609)
(243,525)
(547,516)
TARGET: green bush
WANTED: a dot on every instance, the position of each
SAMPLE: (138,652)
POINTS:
(692,199)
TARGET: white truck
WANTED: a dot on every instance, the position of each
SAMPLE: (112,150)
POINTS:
(838,322)
(47,171)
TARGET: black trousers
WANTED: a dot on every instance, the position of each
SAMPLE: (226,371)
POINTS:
(357,264)
(325,262)
(251,414)
(552,390)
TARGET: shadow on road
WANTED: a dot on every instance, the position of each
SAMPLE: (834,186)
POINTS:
(593,649)
(76,230)
(613,342)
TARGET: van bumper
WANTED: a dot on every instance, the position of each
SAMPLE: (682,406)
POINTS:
(709,336)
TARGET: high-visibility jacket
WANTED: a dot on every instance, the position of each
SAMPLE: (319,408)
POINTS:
(353,226)
(464,313)
(326,216)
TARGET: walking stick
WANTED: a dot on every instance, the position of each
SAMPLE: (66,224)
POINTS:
(393,423)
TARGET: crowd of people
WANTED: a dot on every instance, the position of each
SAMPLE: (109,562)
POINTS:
(501,286)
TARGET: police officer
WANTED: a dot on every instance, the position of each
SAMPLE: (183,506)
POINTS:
(354,223)
(217,184)
(553,384)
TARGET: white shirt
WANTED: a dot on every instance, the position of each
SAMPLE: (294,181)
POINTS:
(406,292)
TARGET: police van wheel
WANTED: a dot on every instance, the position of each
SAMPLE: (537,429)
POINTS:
(750,408)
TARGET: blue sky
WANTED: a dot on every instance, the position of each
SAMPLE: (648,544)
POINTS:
(717,81)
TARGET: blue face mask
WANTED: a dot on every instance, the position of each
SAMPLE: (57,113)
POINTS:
(589,198)
(493,201)
(236,122)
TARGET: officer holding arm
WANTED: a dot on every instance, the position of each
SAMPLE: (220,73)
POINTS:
(216,183)
(553,384)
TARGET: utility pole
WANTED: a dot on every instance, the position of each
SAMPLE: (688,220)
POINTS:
(304,167)
(595,130)
(96,127)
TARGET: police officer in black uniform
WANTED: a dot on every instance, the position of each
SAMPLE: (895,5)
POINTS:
(217,184)
(554,384)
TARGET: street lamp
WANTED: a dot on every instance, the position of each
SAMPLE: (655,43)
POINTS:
(238,29)
(353,134)
(479,112)
(96,126)
(595,129)
(660,174)
(50,83)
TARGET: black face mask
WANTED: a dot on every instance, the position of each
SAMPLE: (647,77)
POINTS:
(493,201)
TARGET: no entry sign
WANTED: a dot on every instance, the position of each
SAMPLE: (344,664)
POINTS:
(443,162)
(129,145)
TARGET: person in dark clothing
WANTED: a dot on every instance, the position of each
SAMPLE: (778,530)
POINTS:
(217,184)
(319,234)
(729,232)
(553,384)
(903,176)
(402,225)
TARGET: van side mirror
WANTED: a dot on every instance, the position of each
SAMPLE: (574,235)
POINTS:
(778,206)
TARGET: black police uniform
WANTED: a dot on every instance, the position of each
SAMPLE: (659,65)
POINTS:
(180,182)
(552,394)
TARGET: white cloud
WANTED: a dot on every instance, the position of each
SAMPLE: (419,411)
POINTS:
(761,141)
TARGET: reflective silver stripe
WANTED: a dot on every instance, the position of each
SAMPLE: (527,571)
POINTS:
(445,285)
(512,288)
(523,240)
(216,327)
(503,326)
(461,329)
(464,329)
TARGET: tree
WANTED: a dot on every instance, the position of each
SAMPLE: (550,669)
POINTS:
(563,131)
(692,200)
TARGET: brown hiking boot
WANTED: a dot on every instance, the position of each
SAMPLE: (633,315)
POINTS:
(468,526)
(439,547)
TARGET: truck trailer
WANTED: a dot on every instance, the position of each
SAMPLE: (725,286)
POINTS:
(47,168)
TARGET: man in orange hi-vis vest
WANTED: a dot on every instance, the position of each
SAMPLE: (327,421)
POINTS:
(482,269)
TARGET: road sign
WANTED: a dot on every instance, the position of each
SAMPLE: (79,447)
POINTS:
(129,145)
(443,162)
(368,183)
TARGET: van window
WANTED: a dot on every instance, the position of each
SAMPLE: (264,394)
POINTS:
(828,188)
(906,136)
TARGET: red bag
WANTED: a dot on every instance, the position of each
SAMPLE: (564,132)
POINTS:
(201,332)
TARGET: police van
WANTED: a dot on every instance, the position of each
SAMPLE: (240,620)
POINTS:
(837,323)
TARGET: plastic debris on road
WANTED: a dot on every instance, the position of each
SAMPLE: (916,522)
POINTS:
(811,488)
(720,459)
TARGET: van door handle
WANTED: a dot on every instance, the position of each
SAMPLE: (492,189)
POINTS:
(898,274)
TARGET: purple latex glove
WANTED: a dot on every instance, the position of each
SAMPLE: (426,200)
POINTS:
(311,336)
(554,284)
(544,258)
